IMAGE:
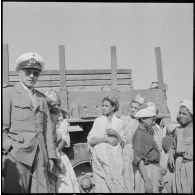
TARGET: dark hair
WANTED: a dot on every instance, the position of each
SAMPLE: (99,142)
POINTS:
(113,101)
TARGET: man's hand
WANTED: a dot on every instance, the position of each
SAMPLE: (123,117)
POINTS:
(148,186)
(112,140)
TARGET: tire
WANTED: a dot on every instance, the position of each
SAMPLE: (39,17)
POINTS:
(81,162)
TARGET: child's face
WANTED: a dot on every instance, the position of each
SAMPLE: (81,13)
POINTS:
(55,106)
(184,116)
(134,108)
(148,121)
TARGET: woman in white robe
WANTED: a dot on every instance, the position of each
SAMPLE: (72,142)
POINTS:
(104,140)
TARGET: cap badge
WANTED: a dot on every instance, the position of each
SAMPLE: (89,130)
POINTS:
(32,61)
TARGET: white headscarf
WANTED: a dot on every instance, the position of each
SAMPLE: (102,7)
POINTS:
(188,105)
(149,111)
(51,95)
(138,99)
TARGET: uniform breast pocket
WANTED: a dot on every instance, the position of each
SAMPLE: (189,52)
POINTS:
(21,112)
(40,114)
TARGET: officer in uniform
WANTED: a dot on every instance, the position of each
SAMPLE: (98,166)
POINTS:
(27,131)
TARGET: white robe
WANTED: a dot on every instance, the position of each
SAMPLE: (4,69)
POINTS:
(130,125)
(66,181)
(107,160)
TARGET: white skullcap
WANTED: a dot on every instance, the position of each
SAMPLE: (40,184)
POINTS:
(149,111)
(152,106)
(171,127)
(138,99)
(29,60)
(188,105)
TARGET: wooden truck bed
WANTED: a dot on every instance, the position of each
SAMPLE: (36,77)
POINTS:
(81,91)
(84,90)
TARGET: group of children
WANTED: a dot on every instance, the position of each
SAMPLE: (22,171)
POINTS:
(134,154)
(130,154)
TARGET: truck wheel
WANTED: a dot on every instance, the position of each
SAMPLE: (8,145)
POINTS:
(84,176)
(80,160)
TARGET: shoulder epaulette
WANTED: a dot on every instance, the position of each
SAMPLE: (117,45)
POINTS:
(40,93)
(7,85)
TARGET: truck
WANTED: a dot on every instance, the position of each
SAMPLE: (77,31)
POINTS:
(81,92)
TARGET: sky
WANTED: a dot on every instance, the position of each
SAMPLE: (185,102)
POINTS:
(88,30)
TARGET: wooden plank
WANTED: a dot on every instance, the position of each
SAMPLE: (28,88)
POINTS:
(85,88)
(82,88)
(163,97)
(80,72)
(62,66)
(44,89)
(130,75)
(82,99)
(76,77)
(159,67)
(114,67)
(80,83)
(79,120)
(5,64)
(88,83)
(63,90)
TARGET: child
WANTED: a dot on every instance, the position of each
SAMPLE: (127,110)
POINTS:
(166,174)
(66,178)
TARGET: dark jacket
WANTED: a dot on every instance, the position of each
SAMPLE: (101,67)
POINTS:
(145,147)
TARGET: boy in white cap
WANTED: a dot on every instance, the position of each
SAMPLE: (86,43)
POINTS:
(146,153)
(27,131)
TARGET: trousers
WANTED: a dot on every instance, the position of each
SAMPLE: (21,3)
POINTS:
(18,180)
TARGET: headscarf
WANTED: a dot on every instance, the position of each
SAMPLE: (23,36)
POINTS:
(149,111)
(138,99)
(188,105)
(51,95)
(113,101)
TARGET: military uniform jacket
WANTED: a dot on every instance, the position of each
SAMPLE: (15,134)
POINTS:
(25,127)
